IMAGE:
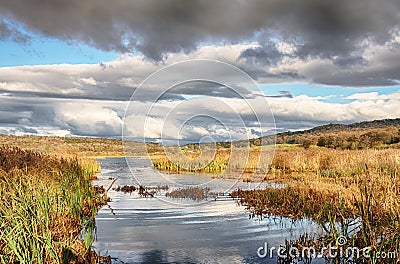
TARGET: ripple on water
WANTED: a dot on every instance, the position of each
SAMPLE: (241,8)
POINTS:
(146,230)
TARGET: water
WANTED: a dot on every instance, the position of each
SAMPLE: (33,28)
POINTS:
(134,229)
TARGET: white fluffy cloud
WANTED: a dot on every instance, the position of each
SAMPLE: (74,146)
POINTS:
(91,99)
(87,119)
(364,106)
(285,48)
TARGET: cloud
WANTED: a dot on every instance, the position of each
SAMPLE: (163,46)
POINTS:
(152,27)
(349,43)
(87,119)
(49,116)
(367,96)
(90,100)
(114,80)
(282,93)
(286,48)
(235,121)
(194,118)
(10,32)
(304,112)
(188,119)
(141,126)
(372,64)
(155,28)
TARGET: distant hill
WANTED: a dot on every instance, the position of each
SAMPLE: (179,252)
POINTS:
(331,128)
(81,146)
(366,134)
(369,134)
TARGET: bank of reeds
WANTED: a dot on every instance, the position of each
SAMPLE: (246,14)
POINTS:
(287,161)
(47,207)
(193,193)
(351,193)
(223,160)
(364,208)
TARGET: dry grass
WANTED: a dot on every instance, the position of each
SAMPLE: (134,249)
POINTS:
(367,212)
(238,160)
(332,186)
(355,193)
(46,203)
(65,146)
(80,146)
(357,190)
(286,162)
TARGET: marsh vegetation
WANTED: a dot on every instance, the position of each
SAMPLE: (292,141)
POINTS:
(193,193)
(351,193)
(80,146)
(47,209)
(346,180)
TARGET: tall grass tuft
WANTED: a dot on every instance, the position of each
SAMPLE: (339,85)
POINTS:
(46,202)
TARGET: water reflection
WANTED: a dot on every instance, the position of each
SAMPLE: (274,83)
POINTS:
(149,230)
(154,256)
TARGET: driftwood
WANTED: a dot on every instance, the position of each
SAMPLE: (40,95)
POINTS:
(144,192)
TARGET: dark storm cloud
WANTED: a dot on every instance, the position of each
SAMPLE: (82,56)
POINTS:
(326,28)
(349,43)
(23,110)
(283,94)
(331,30)
(209,88)
(267,54)
(7,31)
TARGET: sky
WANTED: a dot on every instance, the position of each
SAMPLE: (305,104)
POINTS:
(81,68)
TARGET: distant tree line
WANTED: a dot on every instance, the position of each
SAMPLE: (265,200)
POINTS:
(371,139)
(371,134)
(359,139)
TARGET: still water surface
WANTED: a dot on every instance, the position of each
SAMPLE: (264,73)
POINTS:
(160,230)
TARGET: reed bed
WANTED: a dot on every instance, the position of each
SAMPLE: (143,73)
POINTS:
(193,193)
(131,188)
(47,208)
(219,162)
(335,162)
(363,207)
(351,193)
(287,161)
